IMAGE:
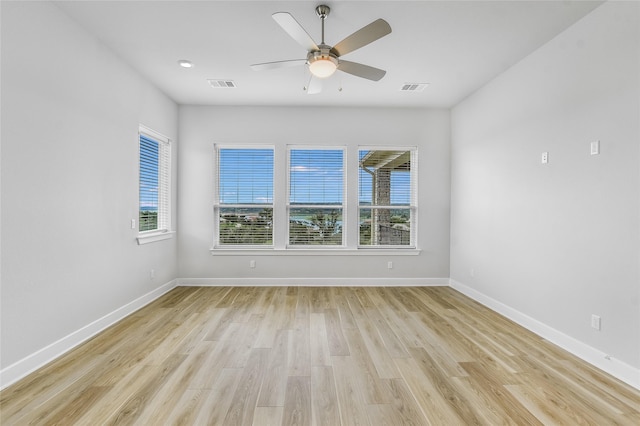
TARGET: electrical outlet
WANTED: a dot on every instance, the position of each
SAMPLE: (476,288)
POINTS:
(596,322)
(389,265)
(544,158)
(472,272)
(252,264)
(152,273)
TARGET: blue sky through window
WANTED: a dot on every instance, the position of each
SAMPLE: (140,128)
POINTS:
(316,176)
(246,176)
(149,151)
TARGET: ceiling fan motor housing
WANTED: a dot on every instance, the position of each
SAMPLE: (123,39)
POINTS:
(322,59)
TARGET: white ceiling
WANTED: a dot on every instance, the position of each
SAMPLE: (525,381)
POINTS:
(455,46)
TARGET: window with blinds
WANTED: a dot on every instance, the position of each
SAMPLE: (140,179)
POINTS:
(387,200)
(315,196)
(244,207)
(154,183)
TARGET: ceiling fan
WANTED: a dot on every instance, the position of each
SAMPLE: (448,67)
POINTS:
(323,60)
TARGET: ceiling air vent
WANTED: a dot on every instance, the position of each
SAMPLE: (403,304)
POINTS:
(222,84)
(413,87)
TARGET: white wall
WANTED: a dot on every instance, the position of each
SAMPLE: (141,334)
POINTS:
(201,127)
(70,115)
(557,242)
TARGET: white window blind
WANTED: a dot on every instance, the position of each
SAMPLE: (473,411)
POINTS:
(244,207)
(316,192)
(387,201)
(155,183)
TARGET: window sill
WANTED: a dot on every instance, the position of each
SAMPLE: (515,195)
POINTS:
(314,252)
(152,237)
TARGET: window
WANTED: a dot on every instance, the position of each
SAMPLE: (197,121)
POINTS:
(315,199)
(154,184)
(386,197)
(244,207)
(316,187)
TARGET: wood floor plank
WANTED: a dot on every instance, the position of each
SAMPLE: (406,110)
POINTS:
(321,299)
(222,324)
(624,394)
(216,401)
(299,356)
(435,408)
(275,319)
(492,388)
(324,400)
(351,398)
(344,310)
(445,386)
(212,365)
(391,341)
(337,343)
(136,403)
(243,403)
(117,395)
(591,410)
(319,340)
(274,384)
(318,356)
(551,402)
(297,404)
(172,341)
(35,390)
(184,411)
(377,350)
(66,412)
(536,406)
(239,346)
(403,405)
(365,370)
(268,416)
(160,407)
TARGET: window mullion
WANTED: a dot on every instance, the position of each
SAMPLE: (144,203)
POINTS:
(280,211)
(351,214)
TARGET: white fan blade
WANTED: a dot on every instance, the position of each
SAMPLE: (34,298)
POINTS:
(365,35)
(315,86)
(295,30)
(278,64)
(361,70)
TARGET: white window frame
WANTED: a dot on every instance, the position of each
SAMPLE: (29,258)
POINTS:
(350,206)
(317,206)
(217,205)
(164,230)
(413,198)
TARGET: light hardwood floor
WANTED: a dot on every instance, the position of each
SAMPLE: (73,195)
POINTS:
(318,356)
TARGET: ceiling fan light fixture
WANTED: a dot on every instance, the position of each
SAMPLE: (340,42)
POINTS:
(322,65)
(322,68)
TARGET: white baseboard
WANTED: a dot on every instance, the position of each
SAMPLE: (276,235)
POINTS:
(31,363)
(595,357)
(317,282)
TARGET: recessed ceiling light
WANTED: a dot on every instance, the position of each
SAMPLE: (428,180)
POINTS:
(185,64)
